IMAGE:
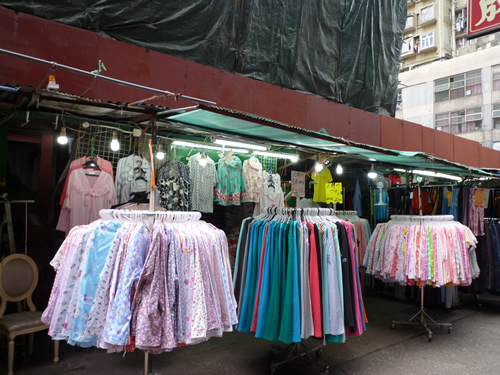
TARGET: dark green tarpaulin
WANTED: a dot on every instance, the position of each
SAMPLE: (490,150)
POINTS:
(344,50)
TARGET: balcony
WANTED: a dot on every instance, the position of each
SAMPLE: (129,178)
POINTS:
(410,23)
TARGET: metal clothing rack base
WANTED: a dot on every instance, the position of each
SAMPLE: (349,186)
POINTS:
(297,350)
(423,319)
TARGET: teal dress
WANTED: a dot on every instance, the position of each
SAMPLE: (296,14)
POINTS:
(231,189)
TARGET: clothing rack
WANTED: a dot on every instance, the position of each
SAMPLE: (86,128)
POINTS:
(421,317)
(166,216)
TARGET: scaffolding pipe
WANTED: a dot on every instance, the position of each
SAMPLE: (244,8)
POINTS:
(114,80)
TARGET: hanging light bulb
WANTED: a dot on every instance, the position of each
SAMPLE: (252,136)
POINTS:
(318,167)
(62,139)
(372,173)
(115,145)
(339,169)
(160,154)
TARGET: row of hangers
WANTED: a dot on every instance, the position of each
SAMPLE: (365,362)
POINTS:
(163,216)
(421,219)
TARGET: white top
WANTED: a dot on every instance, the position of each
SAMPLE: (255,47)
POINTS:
(252,171)
(86,195)
(203,182)
(133,175)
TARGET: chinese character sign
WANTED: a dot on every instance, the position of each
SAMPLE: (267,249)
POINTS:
(483,17)
(334,193)
(298,184)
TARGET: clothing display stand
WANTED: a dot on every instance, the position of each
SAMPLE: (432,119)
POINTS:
(297,350)
(420,319)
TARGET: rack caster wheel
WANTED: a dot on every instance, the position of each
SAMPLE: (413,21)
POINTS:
(393,326)
(430,338)
(319,353)
(449,330)
(327,370)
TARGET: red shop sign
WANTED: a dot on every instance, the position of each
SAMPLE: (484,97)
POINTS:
(483,17)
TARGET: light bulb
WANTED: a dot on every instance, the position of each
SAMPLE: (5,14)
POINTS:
(62,139)
(115,145)
(203,162)
(372,173)
(160,154)
(318,167)
(339,169)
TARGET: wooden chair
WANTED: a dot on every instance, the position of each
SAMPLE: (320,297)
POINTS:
(18,280)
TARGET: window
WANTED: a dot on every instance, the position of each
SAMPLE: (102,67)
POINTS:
(409,22)
(427,40)
(463,121)
(496,116)
(426,14)
(459,86)
(496,77)
(461,20)
(462,43)
(399,103)
(496,146)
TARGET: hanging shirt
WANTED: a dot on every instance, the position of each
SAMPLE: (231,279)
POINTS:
(133,175)
(320,188)
(174,186)
(252,171)
(231,188)
(87,195)
(203,182)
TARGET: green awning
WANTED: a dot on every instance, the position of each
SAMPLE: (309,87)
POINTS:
(218,119)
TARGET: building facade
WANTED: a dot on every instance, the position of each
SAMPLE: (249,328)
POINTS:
(448,82)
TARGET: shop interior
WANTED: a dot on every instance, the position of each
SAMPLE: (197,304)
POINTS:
(147,152)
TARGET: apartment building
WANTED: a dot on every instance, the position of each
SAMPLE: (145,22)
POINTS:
(447,81)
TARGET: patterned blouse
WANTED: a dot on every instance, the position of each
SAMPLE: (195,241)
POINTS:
(231,188)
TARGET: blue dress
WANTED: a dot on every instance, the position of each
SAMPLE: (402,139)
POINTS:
(231,189)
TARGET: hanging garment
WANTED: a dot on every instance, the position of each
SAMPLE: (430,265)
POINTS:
(432,250)
(133,175)
(203,182)
(174,186)
(357,203)
(292,276)
(322,178)
(104,165)
(119,286)
(252,171)
(86,196)
(476,211)
(231,188)
(271,194)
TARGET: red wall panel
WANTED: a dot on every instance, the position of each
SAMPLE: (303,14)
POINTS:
(412,136)
(488,158)
(443,145)
(391,133)
(466,151)
(428,140)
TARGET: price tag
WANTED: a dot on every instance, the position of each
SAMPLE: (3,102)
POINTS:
(298,184)
(334,193)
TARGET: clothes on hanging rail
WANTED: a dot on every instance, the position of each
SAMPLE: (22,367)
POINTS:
(488,258)
(87,194)
(271,193)
(431,250)
(133,175)
(119,286)
(231,188)
(203,182)
(104,165)
(174,186)
(252,171)
(298,278)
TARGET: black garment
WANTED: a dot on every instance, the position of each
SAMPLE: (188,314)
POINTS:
(242,259)
(347,281)
(495,256)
